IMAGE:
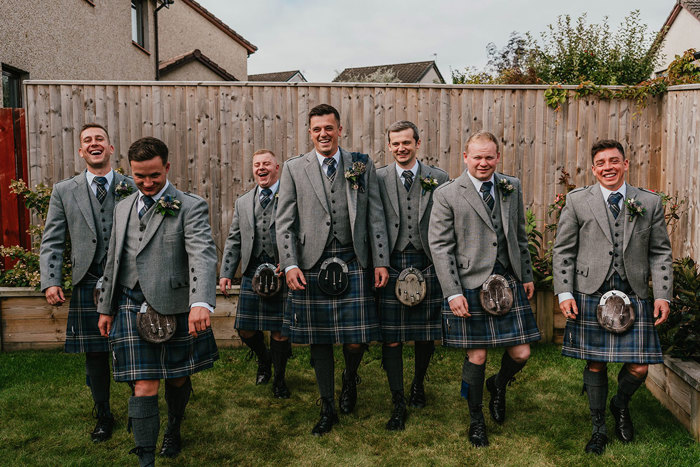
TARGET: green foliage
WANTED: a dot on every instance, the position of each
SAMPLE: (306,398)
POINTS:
(555,97)
(540,257)
(680,334)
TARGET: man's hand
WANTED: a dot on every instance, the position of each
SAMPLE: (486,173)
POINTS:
(459,306)
(198,320)
(381,277)
(54,295)
(569,308)
(104,324)
(224,285)
(529,289)
(295,279)
(663,307)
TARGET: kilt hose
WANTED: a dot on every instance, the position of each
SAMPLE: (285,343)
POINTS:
(135,359)
(585,339)
(312,317)
(82,334)
(483,330)
(401,323)
(255,313)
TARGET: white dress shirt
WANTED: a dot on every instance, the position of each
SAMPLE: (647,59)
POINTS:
(93,184)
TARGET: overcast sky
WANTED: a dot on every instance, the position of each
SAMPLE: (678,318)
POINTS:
(322,37)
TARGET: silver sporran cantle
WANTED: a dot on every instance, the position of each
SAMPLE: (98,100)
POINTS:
(495,295)
(410,287)
(333,277)
(266,282)
(615,312)
(154,327)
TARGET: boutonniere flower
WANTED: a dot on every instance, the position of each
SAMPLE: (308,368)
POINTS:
(634,208)
(123,189)
(505,187)
(167,206)
(428,184)
(354,175)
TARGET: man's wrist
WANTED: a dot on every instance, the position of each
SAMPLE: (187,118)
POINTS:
(203,305)
(289,268)
(452,297)
(565,296)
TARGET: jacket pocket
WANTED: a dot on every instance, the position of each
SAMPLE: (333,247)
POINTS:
(582,269)
(463,262)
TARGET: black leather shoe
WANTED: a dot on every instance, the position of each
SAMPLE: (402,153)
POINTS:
(397,422)
(477,434)
(497,404)
(264,372)
(280,390)
(597,443)
(417,397)
(348,395)
(172,445)
(103,428)
(623,423)
(328,418)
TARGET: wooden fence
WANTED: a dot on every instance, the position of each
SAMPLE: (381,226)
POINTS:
(212,129)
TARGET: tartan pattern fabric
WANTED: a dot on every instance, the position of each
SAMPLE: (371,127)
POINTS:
(585,339)
(483,330)
(330,168)
(147,203)
(486,194)
(134,359)
(312,317)
(82,334)
(401,323)
(255,313)
(265,194)
(407,179)
(613,203)
(101,191)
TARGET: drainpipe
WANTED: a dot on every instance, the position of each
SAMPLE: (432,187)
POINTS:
(166,4)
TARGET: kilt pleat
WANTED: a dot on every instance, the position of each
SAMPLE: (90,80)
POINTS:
(135,359)
(401,323)
(312,317)
(255,313)
(82,333)
(483,330)
(585,339)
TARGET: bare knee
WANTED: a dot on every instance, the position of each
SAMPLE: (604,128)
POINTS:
(597,366)
(519,353)
(276,335)
(246,334)
(146,387)
(477,356)
(391,344)
(636,370)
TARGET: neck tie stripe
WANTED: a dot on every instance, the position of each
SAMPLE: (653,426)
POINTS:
(147,203)
(486,194)
(613,203)
(101,191)
(407,179)
(330,168)
(265,194)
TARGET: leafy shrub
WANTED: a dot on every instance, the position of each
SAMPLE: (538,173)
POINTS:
(680,334)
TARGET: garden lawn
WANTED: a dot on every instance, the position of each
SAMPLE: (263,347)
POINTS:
(45,417)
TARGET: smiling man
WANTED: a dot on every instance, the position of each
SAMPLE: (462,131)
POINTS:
(478,241)
(81,209)
(159,288)
(330,230)
(406,188)
(611,239)
(251,243)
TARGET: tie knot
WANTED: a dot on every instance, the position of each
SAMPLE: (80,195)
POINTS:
(266,192)
(486,186)
(148,201)
(408,174)
(101,180)
(330,161)
(614,198)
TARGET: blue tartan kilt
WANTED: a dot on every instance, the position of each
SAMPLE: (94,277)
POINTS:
(82,334)
(401,323)
(255,313)
(483,330)
(135,359)
(585,339)
(312,317)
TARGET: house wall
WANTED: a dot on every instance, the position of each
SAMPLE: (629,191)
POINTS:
(71,39)
(182,30)
(296,79)
(193,71)
(431,77)
(683,34)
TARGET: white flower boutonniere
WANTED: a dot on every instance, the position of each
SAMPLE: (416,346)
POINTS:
(354,175)
(505,187)
(168,206)
(634,208)
(122,190)
(428,184)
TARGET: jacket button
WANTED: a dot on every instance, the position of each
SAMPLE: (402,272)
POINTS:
(665,278)
(192,270)
(495,244)
(194,278)
(565,281)
(194,290)
(563,272)
(663,268)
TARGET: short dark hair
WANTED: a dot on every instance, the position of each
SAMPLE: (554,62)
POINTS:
(481,134)
(147,148)
(324,109)
(603,144)
(92,125)
(403,125)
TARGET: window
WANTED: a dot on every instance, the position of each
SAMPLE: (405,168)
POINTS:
(12,86)
(139,31)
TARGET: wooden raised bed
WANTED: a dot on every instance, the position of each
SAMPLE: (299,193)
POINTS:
(550,321)
(28,322)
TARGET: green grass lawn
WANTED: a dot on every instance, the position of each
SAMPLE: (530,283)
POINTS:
(45,418)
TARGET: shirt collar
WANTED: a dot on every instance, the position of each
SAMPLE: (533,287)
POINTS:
(91,177)
(622,190)
(477,183)
(414,169)
(322,158)
(157,196)
(272,188)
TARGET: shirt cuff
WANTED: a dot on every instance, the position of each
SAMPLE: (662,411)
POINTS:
(203,304)
(565,296)
(451,297)
(289,268)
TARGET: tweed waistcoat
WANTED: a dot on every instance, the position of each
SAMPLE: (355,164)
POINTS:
(502,248)
(617,227)
(338,205)
(102,214)
(264,225)
(128,275)
(409,227)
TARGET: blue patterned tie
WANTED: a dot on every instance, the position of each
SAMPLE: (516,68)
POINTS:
(613,203)
(407,179)
(147,203)
(265,194)
(486,193)
(101,192)
(330,170)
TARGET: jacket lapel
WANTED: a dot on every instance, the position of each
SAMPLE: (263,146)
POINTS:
(599,208)
(472,196)
(628,225)
(505,201)
(250,209)
(424,200)
(392,188)
(349,190)
(121,220)
(156,220)
(314,173)
(81,193)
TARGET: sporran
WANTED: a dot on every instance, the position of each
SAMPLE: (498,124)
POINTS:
(154,327)
(495,295)
(410,286)
(333,277)
(615,312)
(266,282)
